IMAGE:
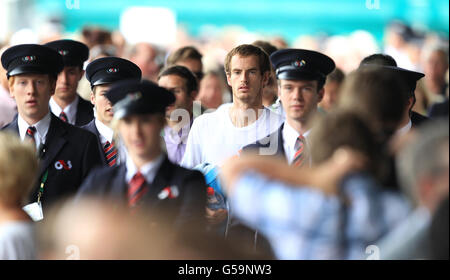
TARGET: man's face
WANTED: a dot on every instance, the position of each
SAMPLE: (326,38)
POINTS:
(330,95)
(32,93)
(194,65)
(141,134)
(177,85)
(436,66)
(246,79)
(210,93)
(67,83)
(103,107)
(145,59)
(299,98)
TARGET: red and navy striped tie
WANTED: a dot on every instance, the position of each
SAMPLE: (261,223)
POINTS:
(110,153)
(31,130)
(63,116)
(299,156)
(136,189)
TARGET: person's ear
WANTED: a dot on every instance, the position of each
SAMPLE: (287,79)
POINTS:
(266,77)
(229,80)
(320,94)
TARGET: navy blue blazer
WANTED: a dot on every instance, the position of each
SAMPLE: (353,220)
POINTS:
(273,141)
(85,112)
(188,208)
(439,110)
(68,155)
(93,128)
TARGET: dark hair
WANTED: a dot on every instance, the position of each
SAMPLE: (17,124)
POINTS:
(377,95)
(183,72)
(341,128)
(248,50)
(182,54)
(266,46)
(336,76)
(378,59)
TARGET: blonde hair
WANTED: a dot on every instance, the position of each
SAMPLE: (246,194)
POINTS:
(18,168)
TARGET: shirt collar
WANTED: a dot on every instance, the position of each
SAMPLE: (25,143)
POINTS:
(70,110)
(174,137)
(148,170)
(290,135)
(41,128)
(404,129)
(105,131)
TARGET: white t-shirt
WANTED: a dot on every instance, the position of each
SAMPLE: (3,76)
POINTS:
(17,241)
(213,137)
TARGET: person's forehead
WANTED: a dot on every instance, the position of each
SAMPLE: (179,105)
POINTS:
(172,79)
(31,76)
(298,82)
(248,61)
(71,68)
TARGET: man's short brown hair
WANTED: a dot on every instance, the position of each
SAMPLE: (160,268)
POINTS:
(248,50)
(183,54)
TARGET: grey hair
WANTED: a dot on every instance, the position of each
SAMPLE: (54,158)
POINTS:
(425,156)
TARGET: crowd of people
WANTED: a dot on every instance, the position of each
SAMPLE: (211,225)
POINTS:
(214,148)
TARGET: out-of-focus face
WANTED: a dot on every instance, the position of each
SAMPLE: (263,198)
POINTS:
(103,107)
(177,85)
(141,134)
(195,65)
(246,79)
(330,96)
(145,58)
(32,93)
(210,93)
(271,89)
(436,66)
(67,82)
(299,98)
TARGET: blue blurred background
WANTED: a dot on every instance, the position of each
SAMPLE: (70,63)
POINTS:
(287,18)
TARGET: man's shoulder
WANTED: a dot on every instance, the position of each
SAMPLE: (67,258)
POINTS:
(182,172)
(79,132)
(213,117)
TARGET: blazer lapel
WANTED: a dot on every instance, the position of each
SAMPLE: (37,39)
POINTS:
(12,126)
(280,150)
(95,131)
(83,115)
(54,142)
(118,185)
(162,180)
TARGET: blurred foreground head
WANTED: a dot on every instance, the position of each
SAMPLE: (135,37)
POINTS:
(18,166)
(423,165)
(377,96)
(98,229)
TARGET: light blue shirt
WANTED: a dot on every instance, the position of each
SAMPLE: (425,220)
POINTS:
(303,223)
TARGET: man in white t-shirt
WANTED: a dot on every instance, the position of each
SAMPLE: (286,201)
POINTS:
(216,136)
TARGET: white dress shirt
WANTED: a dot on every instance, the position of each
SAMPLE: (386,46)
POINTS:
(41,129)
(70,110)
(290,136)
(405,129)
(149,169)
(107,135)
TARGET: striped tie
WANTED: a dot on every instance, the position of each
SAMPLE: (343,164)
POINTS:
(136,189)
(29,135)
(110,153)
(299,156)
(63,116)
